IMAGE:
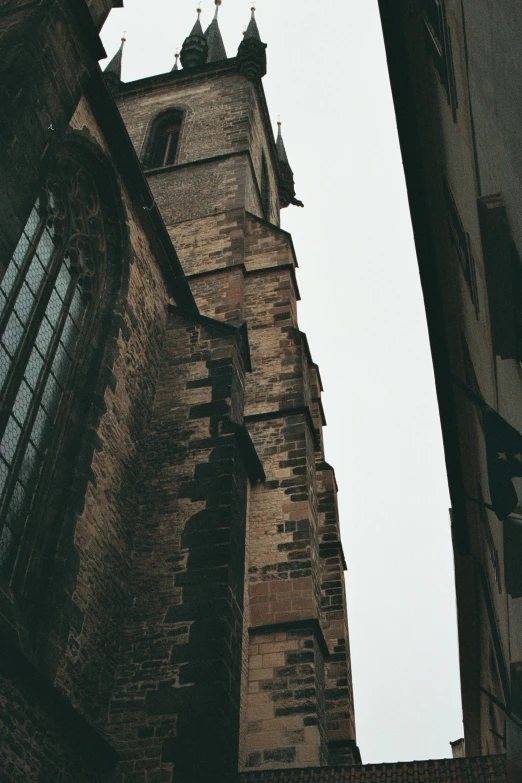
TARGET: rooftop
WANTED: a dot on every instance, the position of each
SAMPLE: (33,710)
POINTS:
(479,769)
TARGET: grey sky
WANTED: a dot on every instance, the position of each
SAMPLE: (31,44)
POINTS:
(363,313)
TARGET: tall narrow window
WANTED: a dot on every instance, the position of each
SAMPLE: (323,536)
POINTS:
(265,188)
(164,140)
(462,244)
(45,297)
(439,44)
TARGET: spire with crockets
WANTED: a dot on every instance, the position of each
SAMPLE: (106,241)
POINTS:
(285,183)
(113,70)
(194,51)
(251,55)
(216,47)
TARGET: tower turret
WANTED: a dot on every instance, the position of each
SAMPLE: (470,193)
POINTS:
(113,70)
(251,55)
(285,183)
(194,51)
(216,47)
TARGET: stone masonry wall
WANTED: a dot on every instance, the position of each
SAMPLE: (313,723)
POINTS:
(222,117)
(243,267)
(338,675)
(32,746)
(83,652)
(176,708)
(76,643)
(285,714)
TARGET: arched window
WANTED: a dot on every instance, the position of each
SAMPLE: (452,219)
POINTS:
(265,188)
(48,293)
(164,140)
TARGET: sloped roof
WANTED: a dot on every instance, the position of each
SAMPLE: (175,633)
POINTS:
(480,769)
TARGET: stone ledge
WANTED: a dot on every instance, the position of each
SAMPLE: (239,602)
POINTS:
(313,623)
(303,410)
(238,329)
(248,451)
(257,271)
(338,545)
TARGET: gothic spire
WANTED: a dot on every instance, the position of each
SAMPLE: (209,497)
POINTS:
(175,67)
(285,183)
(216,47)
(251,55)
(280,147)
(252,30)
(194,51)
(197,29)
(114,67)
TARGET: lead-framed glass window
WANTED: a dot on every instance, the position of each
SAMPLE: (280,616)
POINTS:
(45,298)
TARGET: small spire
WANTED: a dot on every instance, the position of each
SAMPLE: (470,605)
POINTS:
(197,29)
(176,58)
(194,51)
(252,30)
(280,146)
(285,184)
(251,55)
(216,47)
(114,67)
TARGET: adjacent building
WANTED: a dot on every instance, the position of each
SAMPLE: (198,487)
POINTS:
(454,69)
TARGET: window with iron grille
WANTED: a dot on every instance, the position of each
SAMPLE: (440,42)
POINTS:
(45,298)
(164,140)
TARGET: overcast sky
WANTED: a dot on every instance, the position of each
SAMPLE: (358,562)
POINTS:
(363,313)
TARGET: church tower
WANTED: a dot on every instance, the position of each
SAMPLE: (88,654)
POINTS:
(239,578)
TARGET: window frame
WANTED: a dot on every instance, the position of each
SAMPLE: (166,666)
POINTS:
(60,491)
(462,243)
(440,49)
(151,138)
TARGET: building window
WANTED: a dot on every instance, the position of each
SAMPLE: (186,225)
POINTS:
(439,44)
(164,140)
(45,298)
(265,188)
(503,274)
(462,244)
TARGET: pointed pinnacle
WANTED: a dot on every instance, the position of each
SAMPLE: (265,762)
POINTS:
(280,146)
(252,30)
(216,47)
(114,65)
(197,29)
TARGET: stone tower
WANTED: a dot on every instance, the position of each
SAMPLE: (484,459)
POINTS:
(238,635)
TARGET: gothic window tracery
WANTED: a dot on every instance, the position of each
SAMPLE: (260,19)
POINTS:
(164,140)
(45,297)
